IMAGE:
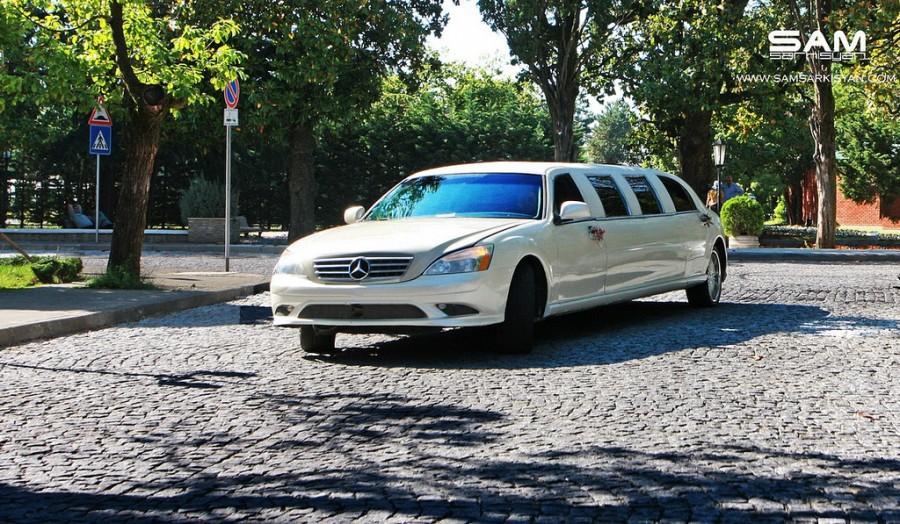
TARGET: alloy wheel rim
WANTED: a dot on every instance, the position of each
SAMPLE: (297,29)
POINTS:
(713,277)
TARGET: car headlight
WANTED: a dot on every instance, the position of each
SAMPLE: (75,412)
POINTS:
(468,260)
(288,265)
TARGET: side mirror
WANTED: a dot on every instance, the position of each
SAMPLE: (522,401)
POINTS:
(353,214)
(571,210)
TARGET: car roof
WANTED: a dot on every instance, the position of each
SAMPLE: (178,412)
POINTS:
(530,168)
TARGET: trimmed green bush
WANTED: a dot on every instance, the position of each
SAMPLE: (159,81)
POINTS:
(48,270)
(203,199)
(743,216)
(53,270)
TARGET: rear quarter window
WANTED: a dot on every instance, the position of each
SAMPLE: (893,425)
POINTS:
(680,196)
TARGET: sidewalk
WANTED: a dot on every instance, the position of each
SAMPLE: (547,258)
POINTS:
(53,311)
(782,254)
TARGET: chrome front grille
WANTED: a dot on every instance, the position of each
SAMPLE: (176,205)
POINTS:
(361,268)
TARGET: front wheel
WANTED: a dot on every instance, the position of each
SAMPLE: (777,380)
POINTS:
(314,339)
(516,333)
(708,293)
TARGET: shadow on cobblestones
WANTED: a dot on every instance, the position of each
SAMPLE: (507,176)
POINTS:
(613,334)
(393,416)
(203,379)
(613,484)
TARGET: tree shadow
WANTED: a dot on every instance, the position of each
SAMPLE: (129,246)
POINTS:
(200,379)
(608,335)
(421,462)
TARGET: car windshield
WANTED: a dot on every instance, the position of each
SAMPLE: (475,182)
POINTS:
(481,195)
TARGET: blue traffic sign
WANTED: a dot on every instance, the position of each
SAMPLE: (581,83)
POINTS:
(100,142)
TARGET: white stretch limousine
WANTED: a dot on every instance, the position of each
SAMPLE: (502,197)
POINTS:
(500,244)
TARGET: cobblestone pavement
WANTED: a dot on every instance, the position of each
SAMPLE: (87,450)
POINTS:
(152,262)
(781,404)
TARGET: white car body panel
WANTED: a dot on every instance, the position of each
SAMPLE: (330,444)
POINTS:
(639,255)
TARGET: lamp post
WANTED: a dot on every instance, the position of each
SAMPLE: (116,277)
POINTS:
(719,161)
(4,189)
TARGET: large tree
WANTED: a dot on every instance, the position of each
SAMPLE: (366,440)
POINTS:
(315,61)
(815,15)
(684,63)
(558,41)
(148,61)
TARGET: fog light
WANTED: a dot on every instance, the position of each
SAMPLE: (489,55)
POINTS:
(283,310)
(456,310)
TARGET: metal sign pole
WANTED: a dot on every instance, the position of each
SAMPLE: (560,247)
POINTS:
(97,204)
(227,195)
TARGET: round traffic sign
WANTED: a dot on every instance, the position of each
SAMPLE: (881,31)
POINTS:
(232,94)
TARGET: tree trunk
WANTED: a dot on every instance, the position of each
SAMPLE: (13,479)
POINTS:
(695,151)
(561,102)
(302,182)
(821,124)
(134,191)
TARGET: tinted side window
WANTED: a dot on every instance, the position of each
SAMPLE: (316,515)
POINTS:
(613,203)
(645,195)
(565,190)
(680,196)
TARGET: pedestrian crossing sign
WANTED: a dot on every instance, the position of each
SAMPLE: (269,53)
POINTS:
(100,142)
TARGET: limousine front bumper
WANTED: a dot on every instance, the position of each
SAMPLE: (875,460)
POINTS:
(443,301)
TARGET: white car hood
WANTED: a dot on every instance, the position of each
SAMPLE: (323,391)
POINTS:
(425,238)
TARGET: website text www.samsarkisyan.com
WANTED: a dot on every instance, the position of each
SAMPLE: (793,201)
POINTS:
(799,78)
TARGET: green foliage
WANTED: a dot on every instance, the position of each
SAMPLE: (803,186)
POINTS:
(742,215)
(19,272)
(16,277)
(562,44)
(769,146)
(316,60)
(165,48)
(55,270)
(202,199)
(612,137)
(456,116)
(780,214)
(868,139)
(118,277)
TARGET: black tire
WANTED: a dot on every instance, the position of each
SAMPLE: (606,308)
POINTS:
(314,339)
(516,333)
(708,293)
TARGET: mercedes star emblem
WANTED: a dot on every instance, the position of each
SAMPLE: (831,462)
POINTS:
(359,268)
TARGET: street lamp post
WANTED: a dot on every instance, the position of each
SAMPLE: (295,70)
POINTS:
(4,189)
(719,161)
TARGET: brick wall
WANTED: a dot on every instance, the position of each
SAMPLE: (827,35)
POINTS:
(849,213)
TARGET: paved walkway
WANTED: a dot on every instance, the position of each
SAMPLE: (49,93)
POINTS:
(783,403)
(49,311)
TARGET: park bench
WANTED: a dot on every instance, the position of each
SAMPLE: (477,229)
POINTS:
(246,228)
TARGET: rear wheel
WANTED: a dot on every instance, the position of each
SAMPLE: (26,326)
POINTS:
(314,339)
(516,333)
(708,293)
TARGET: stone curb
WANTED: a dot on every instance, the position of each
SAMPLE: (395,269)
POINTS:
(219,249)
(180,301)
(813,255)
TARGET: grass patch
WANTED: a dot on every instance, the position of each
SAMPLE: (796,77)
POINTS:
(17,272)
(16,277)
(118,278)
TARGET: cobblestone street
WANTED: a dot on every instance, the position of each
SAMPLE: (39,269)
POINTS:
(783,403)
